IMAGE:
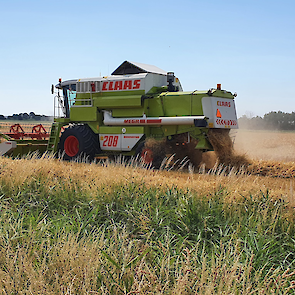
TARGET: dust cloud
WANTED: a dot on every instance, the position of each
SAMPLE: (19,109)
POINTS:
(222,143)
(265,145)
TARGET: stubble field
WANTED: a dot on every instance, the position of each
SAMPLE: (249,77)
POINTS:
(108,228)
(271,153)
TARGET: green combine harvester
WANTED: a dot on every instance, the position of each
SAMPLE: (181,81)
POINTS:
(138,110)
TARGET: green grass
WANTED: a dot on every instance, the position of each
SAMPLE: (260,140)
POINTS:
(60,239)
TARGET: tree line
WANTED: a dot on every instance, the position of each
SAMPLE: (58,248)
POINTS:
(270,121)
(25,116)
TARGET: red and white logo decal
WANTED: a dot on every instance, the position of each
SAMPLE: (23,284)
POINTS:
(142,121)
(221,103)
(121,85)
(131,136)
(226,122)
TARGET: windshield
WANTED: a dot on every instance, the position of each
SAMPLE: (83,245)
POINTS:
(69,95)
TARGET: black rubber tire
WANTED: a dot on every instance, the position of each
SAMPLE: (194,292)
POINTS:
(87,143)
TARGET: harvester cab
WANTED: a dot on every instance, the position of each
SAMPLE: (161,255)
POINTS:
(64,101)
(135,77)
(134,106)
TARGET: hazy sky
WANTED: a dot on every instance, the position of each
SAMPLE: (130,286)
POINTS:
(247,46)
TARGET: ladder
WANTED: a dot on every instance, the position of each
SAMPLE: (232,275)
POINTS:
(54,137)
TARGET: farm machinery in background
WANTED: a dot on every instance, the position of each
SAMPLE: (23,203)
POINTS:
(138,110)
(17,141)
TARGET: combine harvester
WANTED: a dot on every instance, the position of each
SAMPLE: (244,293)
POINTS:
(121,113)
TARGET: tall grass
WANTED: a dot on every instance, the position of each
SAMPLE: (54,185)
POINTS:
(76,228)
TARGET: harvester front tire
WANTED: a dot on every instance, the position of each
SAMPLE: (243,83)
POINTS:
(78,142)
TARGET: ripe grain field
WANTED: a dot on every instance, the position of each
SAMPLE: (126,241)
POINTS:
(113,228)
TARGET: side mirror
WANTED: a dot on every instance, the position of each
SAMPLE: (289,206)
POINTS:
(52,89)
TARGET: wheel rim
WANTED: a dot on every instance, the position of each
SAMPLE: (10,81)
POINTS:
(147,155)
(71,146)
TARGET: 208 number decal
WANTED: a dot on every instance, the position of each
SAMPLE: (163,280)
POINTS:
(110,140)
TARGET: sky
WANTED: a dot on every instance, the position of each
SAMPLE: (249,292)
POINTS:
(247,46)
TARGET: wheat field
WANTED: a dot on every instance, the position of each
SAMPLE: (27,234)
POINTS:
(119,228)
(122,228)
